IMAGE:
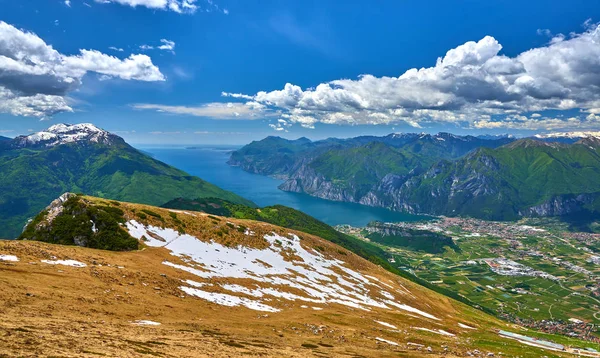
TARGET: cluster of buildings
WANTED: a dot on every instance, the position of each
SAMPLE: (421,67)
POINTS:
(573,328)
(507,267)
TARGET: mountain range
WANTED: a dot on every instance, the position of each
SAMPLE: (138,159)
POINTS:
(210,285)
(499,178)
(82,158)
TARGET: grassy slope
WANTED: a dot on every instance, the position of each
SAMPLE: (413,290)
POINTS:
(362,167)
(523,174)
(33,178)
(272,155)
(116,293)
(540,172)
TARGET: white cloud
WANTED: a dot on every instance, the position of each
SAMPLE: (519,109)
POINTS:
(167,45)
(277,127)
(35,78)
(472,83)
(68,3)
(118,49)
(178,6)
(210,110)
(236,95)
(546,124)
(544,32)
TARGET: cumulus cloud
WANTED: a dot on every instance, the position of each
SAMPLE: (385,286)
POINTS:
(178,6)
(35,79)
(535,123)
(118,49)
(470,85)
(68,3)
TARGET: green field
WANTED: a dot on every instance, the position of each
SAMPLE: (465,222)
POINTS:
(460,268)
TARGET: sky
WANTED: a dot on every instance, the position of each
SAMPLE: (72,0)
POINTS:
(233,71)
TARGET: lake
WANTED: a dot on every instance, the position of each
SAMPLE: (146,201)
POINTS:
(209,163)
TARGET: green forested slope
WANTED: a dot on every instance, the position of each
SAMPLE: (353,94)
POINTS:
(33,177)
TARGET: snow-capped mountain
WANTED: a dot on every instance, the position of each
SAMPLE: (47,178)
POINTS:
(65,133)
(570,135)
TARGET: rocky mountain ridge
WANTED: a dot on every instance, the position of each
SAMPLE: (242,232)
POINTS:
(439,175)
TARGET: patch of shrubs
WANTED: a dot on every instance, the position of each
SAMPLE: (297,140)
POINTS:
(152,213)
(96,227)
(141,216)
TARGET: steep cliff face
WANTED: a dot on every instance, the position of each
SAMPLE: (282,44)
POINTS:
(307,180)
(562,205)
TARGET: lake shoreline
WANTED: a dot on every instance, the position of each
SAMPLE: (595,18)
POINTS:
(210,164)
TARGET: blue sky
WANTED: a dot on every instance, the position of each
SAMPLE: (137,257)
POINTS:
(252,49)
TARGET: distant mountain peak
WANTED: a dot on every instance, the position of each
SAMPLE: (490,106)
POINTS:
(63,133)
(496,136)
(532,143)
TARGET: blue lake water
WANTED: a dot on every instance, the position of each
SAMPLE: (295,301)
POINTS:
(209,163)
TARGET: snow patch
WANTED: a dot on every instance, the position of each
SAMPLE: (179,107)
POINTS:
(436,331)
(11,258)
(71,263)
(412,309)
(285,270)
(145,323)
(379,339)
(228,300)
(461,325)
(387,324)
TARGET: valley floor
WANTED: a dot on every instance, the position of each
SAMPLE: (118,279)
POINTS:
(534,272)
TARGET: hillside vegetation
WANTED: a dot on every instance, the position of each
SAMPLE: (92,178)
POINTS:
(33,176)
(443,174)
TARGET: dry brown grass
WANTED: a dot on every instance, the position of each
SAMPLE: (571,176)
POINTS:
(65,311)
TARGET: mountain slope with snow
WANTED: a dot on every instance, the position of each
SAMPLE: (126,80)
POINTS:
(225,287)
(571,135)
(66,133)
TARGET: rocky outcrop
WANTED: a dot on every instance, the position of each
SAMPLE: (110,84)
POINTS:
(56,208)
